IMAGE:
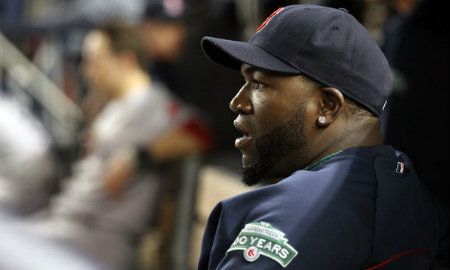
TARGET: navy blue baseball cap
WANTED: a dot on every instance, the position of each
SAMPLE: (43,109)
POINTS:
(326,44)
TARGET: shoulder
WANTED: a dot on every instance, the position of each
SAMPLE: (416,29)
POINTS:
(333,217)
(289,223)
(340,178)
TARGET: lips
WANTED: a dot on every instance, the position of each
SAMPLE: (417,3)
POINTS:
(246,139)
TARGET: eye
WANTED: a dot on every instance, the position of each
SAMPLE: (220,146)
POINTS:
(257,85)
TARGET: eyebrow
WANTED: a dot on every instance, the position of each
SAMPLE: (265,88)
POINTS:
(250,70)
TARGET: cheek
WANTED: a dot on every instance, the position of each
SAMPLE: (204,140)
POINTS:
(89,68)
(106,71)
(309,126)
(269,113)
(102,76)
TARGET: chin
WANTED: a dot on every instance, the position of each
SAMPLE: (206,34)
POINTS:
(252,175)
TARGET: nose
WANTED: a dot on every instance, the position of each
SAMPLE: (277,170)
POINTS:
(241,102)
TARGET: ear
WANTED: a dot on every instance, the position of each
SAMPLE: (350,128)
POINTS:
(331,106)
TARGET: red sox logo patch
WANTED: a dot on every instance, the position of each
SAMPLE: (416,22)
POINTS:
(251,253)
(269,18)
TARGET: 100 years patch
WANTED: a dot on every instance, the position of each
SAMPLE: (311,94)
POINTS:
(260,238)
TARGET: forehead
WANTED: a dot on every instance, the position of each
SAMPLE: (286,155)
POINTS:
(248,70)
(95,43)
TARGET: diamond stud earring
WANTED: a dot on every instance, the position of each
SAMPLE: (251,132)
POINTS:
(322,119)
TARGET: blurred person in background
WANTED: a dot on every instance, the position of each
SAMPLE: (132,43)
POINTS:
(164,35)
(27,165)
(193,76)
(21,249)
(107,202)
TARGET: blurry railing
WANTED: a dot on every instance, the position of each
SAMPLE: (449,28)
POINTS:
(64,115)
(189,193)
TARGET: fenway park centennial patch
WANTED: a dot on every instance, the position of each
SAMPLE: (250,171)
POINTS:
(260,238)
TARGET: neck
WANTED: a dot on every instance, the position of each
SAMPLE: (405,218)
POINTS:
(364,134)
(132,81)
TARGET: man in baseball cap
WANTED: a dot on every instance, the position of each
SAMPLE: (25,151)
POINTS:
(315,86)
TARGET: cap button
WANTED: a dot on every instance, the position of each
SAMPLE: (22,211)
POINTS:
(344,9)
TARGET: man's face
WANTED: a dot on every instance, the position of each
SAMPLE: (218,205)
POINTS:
(273,116)
(101,67)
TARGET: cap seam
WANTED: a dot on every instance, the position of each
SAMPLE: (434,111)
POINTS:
(310,30)
(355,54)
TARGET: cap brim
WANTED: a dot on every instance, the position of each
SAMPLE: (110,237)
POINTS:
(233,54)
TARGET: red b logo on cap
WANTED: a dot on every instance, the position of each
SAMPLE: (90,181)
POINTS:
(269,18)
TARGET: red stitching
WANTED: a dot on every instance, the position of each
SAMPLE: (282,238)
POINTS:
(269,18)
(393,258)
